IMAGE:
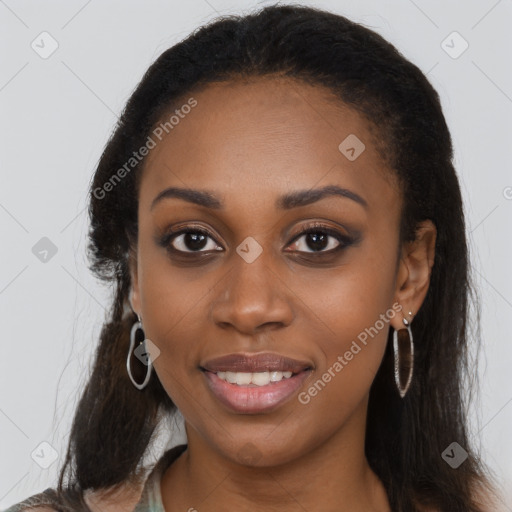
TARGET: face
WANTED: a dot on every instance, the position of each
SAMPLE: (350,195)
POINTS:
(229,269)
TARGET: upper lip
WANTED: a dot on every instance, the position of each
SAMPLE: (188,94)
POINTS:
(255,363)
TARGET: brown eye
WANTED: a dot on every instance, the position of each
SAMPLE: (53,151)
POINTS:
(190,241)
(320,239)
(316,241)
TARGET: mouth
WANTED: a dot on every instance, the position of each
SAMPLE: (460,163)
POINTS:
(261,383)
(255,363)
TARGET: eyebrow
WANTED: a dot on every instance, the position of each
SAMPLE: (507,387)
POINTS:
(286,202)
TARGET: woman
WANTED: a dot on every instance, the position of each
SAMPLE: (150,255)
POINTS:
(281,219)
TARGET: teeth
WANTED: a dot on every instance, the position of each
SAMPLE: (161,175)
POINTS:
(242,379)
(257,378)
(260,379)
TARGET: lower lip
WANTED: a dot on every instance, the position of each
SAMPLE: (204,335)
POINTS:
(254,399)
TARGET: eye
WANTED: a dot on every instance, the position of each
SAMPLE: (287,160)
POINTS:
(190,240)
(313,239)
(320,239)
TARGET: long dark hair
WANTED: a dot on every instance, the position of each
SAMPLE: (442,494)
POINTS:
(115,423)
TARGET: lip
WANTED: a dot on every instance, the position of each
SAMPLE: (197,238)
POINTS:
(253,399)
(252,363)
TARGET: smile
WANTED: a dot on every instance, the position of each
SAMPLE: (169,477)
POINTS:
(254,378)
(253,393)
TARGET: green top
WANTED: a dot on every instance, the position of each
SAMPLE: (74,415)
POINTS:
(150,500)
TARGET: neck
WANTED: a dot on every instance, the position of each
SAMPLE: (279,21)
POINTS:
(333,476)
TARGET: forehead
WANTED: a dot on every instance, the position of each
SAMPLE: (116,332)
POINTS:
(265,137)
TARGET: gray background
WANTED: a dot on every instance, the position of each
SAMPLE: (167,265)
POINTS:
(56,115)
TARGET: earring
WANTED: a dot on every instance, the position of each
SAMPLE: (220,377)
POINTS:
(140,353)
(404,364)
(405,321)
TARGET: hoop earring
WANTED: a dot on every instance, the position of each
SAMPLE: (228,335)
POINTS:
(140,353)
(402,339)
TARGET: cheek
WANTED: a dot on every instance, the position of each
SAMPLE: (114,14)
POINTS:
(171,303)
(351,356)
(352,353)
(355,307)
(171,296)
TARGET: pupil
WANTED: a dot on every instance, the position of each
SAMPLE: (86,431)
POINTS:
(315,241)
(195,241)
(319,241)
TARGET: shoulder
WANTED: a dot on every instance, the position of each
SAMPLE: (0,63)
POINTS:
(122,500)
(488,497)
(43,508)
(125,498)
(485,499)
(33,508)
(42,502)
(20,507)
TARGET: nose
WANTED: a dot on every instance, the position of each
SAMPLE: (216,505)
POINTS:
(252,298)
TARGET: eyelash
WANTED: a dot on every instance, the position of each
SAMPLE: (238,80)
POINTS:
(344,241)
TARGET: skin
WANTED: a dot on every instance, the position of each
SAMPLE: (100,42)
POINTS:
(249,143)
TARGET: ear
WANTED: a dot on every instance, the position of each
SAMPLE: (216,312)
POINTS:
(134,295)
(414,271)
